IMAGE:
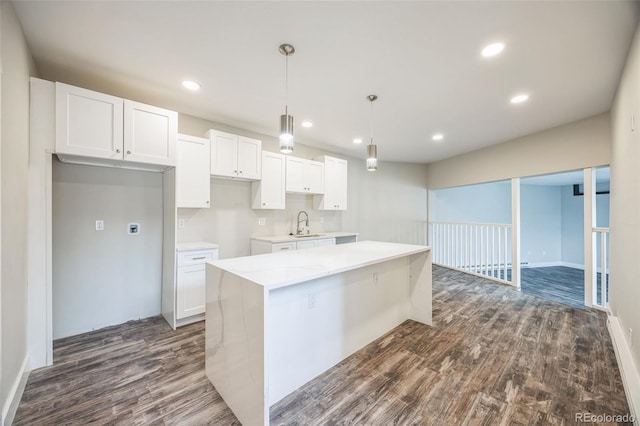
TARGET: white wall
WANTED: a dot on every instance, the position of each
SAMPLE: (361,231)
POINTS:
(576,145)
(486,203)
(103,278)
(17,66)
(573,223)
(625,202)
(394,196)
(540,225)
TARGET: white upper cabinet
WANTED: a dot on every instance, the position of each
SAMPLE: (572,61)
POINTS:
(269,192)
(249,158)
(88,123)
(335,184)
(94,125)
(150,134)
(304,176)
(193,182)
(235,156)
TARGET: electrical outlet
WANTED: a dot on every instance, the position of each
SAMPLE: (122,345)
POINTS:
(181,223)
(99,225)
(312,300)
(262,221)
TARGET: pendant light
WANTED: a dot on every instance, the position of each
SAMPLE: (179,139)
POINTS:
(286,120)
(372,150)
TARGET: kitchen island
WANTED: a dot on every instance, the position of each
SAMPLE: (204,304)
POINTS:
(276,321)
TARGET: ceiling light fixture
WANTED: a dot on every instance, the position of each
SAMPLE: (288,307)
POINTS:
(437,137)
(357,141)
(372,150)
(286,120)
(307,124)
(518,99)
(191,85)
(492,50)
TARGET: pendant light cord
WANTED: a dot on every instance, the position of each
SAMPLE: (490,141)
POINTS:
(371,123)
(286,84)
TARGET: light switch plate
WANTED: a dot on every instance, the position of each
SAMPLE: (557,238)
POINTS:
(99,225)
(262,221)
(181,223)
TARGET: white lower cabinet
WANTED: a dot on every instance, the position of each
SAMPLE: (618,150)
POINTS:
(263,247)
(190,281)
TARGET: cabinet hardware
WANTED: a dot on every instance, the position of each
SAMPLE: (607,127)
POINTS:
(128,152)
(285,248)
(199,258)
(118,151)
(240,172)
(264,204)
(207,201)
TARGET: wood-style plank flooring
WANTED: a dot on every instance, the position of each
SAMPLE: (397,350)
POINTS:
(492,356)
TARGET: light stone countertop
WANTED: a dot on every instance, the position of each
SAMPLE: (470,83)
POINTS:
(275,270)
(195,246)
(288,238)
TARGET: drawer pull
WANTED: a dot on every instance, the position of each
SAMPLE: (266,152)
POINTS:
(285,248)
(199,258)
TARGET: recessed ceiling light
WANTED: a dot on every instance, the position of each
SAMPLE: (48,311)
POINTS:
(492,50)
(518,99)
(357,140)
(307,123)
(191,85)
(437,137)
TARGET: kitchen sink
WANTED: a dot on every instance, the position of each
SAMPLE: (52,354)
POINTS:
(307,236)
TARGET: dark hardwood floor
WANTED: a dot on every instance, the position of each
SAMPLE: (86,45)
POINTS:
(492,356)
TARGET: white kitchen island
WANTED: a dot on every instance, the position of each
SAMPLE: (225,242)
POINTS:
(276,321)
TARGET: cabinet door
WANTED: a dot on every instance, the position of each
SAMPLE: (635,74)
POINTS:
(326,242)
(88,123)
(314,177)
(193,180)
(305,244)
(295,175)
(190,291)
(269,192)
(224,153)
(339,184)
(150,134)
(249,158)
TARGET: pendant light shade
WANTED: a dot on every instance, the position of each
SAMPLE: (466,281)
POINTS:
(372,158)
(372,150)
(286,120)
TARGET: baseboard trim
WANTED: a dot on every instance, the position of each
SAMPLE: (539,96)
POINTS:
(628,370)
(15,393)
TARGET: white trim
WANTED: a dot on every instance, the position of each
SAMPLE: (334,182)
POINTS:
(628,370)
(15,393)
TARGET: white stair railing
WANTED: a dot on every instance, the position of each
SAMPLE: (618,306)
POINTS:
(602,240)
(482,249)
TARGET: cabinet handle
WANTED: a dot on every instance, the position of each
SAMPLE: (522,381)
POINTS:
(235,171)
(264,204)
(199,258)
(285,248)
(207,201)
(240,172)
(128,152)
(118,151)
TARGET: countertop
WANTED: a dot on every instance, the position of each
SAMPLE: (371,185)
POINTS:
(195,246)
(289,238)
(275,270)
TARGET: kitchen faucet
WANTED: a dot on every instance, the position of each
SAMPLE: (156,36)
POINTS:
(306,221)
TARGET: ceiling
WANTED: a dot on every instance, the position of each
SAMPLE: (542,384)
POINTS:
(421,58)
